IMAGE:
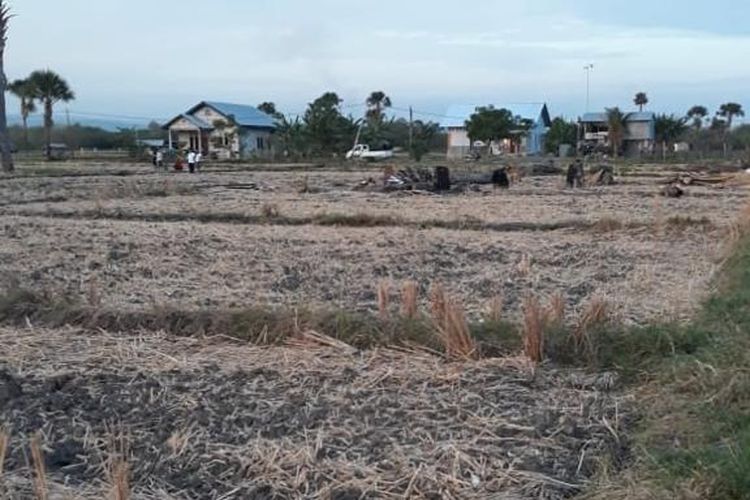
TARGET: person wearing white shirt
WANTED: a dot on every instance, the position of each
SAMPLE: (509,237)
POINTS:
(198,160)
(191,161)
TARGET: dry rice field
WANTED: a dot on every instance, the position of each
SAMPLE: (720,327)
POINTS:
(221,419)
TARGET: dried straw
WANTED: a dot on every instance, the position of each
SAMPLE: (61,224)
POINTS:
(595,313)
(437,304)
(533,329)
(384,298)
(454,334)
(40,473)
(120,479)
(524,265)
(118,468)
(4,440)
(409,299)
(495,309)
(555,312)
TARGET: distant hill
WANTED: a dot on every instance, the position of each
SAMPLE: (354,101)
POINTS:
(109,124)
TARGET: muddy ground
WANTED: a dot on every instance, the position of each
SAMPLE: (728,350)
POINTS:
(211,419)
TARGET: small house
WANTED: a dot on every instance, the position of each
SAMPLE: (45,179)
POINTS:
(223,130)
(639,137)
(529,141)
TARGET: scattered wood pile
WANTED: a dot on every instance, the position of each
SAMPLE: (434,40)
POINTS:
(604,175)
(674,186)
(441,179)
(696,179)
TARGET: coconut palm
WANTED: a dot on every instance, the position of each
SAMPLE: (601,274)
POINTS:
(50,88)
(729,111)
(5,153)
(617,127)
(376,103)
(641,99)
(697,114)
(668,130)
(24,91)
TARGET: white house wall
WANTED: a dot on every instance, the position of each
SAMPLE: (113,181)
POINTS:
(459,144)
(249,143)
(182,125)
(209,115)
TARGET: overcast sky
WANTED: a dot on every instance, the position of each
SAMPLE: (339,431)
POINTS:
(154,58)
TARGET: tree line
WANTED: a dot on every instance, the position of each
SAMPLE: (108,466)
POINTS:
(324,130)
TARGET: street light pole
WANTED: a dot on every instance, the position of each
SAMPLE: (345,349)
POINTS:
(588,68)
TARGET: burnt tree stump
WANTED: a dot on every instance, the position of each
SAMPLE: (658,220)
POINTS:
(442,179)
(500,178)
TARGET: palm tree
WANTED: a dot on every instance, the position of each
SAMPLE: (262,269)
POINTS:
(729,111)
(5,153)
(24,91)
(617,128)
(668,130)
(697,114)
(376,103)
(50,88)
(641,99)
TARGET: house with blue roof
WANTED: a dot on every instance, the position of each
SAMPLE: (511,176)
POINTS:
(531,141)
(639,137)
(223,130)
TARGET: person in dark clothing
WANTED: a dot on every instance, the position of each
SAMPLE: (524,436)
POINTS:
(574,177)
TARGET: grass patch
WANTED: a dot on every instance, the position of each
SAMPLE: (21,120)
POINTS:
(694,389)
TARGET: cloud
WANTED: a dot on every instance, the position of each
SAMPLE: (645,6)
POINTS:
(291,51)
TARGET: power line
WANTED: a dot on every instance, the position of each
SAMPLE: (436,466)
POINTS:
(107,115)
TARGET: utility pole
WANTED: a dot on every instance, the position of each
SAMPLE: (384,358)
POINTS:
(411,129)
(588,68)
(67,115)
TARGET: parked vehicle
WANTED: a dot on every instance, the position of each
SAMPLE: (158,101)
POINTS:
(363,152)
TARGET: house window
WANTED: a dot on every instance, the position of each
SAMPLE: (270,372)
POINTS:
(259,142)
(226,140)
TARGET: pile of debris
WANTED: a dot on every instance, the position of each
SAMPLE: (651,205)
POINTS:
(603,175)
(422,180)
(408,178)
(414,179)
(694,179)
(674,186)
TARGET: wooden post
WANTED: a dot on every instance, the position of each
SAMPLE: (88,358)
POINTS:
(170,139)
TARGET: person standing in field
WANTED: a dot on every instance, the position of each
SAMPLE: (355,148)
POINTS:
(191,161)
(198,160)
(160,159)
